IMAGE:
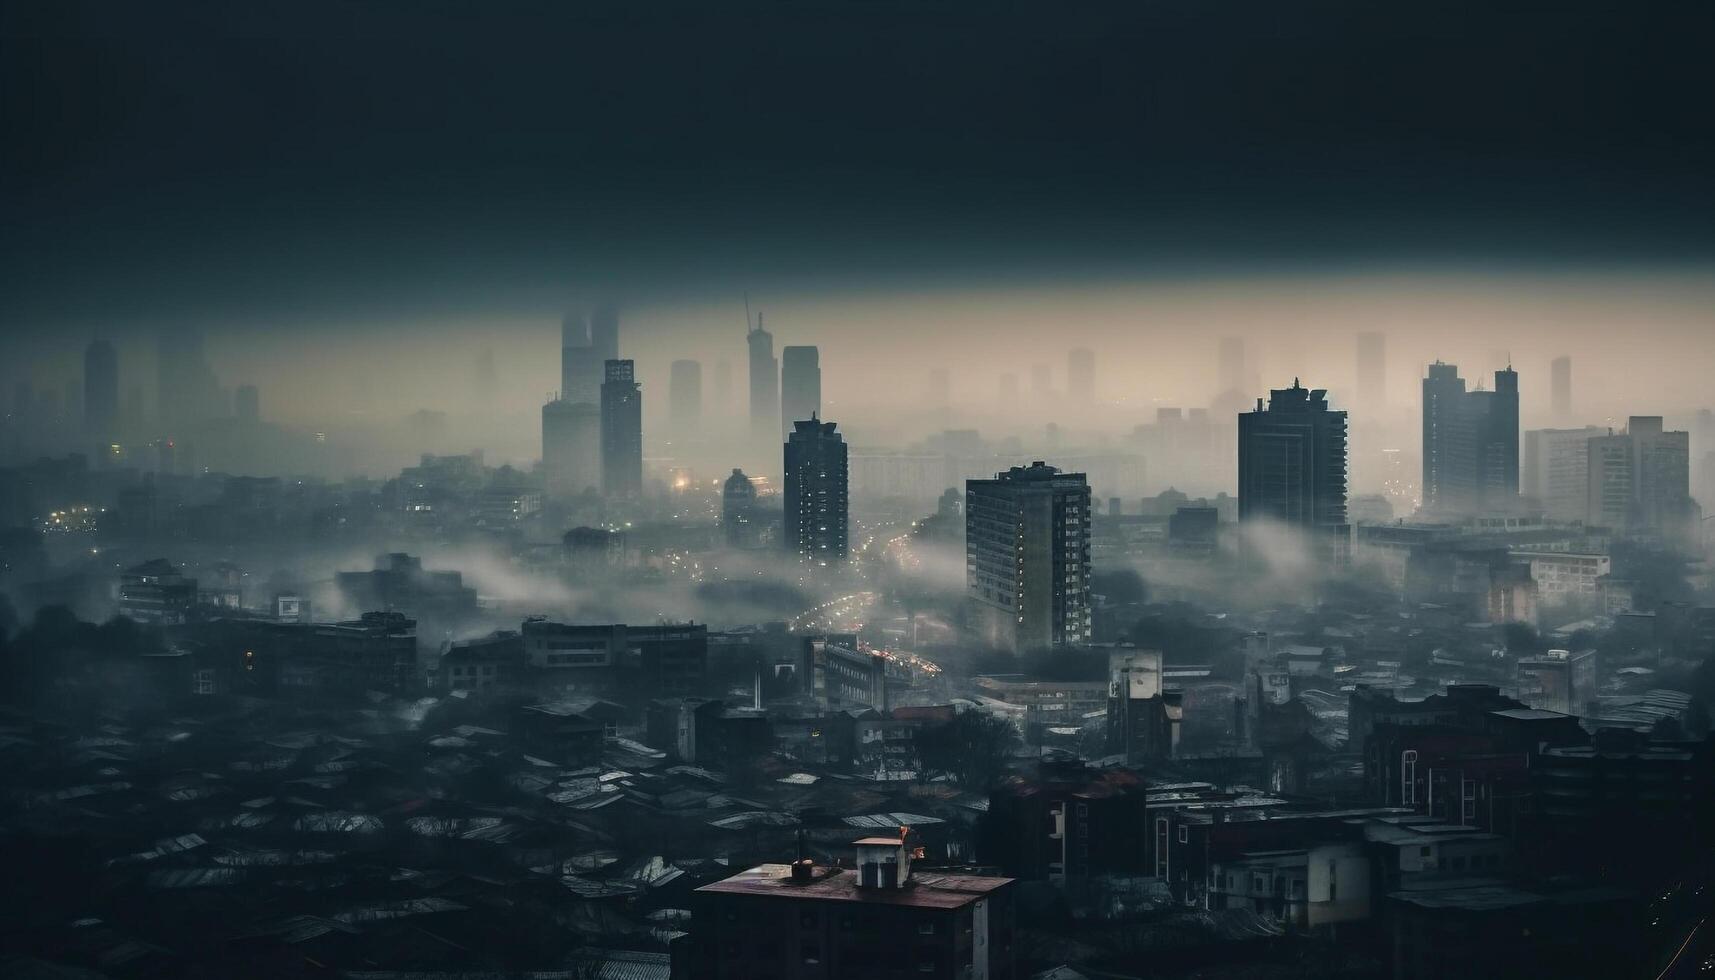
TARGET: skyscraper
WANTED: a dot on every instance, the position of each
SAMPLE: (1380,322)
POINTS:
(247,405)
(1372,374)
(1230,368)
(685,397)
(1292,461)
(621,430)
(800,385)
(1081,375)
(1560,384)
(1470,443)
(1027,557)
(738,511)
(764,384)
(816,493)
(581,361)
(187,392)
(101,390)
(571,447)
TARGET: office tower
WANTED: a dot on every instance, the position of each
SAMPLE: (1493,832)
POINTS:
(1081,375)
(1041,382)
(1556,471)
(621,430)
(1560,383)
(800,385)
(685,397)
(247,405)
(1027,557)
(571,447)
(816,486)
(738,511)
(1608,496)
(1292,461)
(101,390)
(187,392)
(764,384)
(1230,374)
(1372,374)
(1470,443)
(581,362)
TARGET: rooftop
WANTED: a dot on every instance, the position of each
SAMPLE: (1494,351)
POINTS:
(925,889)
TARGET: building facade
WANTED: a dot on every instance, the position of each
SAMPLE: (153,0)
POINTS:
(1292,462)
(621,430)
(1027,557)
(816,493)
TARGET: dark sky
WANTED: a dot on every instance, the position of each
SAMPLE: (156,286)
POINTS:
(276,162)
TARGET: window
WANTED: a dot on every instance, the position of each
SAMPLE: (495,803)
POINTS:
(925,928)
(1184,835)
(1408,777)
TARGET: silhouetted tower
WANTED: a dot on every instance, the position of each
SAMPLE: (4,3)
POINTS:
(186,390)
(800,385)
(764,384)
(685,397)
(1292,461)
(101,390)
(621,430)
(1470,442)
(1230,369)
(816,498)
(738,511)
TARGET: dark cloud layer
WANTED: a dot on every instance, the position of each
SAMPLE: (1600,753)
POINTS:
(193,159)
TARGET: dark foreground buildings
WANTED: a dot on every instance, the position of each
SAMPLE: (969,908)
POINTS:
(880,919)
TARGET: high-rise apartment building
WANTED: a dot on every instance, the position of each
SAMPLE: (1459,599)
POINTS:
(621,430)
(1027,557)
(1292,461)
(1470,443)
(800,385)
(816,493)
